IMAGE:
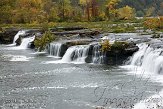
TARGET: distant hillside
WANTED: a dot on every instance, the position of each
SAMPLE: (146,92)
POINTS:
(142,5)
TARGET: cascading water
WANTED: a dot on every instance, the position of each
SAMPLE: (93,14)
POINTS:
(97,57)
(76,53)
(22,32)
(25,42)
(150,59)
(138,56)
(54,49)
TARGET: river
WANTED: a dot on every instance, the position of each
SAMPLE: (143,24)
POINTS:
(27,81)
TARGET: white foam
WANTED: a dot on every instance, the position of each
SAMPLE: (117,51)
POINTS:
(148,63)
(91,85)
(22,32)
(17,57)
(149,102)
(23,45)
(50,56)
(35,53)
(54,49)
(20,58)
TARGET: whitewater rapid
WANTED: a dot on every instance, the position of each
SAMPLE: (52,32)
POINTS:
(147,63)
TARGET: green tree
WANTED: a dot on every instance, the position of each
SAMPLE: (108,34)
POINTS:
(41,43)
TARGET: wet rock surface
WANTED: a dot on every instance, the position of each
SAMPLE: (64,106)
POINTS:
(7,36)
(81,36)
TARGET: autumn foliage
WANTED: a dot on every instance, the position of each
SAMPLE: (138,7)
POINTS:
(38,11)
(154,23)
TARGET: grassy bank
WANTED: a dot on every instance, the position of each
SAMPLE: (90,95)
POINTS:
(103,26)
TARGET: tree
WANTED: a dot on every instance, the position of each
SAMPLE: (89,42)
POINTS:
(6,8)
(150,11)
(126,13)
(53,15)
(42,42)
(160,12)
(29,11)
(111,11)
(65,7)
(90,8)
(139,13)
(154,23)
(86,5)
(76,14)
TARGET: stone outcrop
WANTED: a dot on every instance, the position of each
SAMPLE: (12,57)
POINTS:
(115,56)
(7,36)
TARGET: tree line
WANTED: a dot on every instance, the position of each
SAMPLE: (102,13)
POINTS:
(38,11)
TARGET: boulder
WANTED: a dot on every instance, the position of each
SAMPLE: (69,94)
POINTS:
(18,41)
(8,35)
(89,34)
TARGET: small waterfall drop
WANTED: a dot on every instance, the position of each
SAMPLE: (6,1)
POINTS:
(25,42)
(22,32)
(149,59)
(76,54)
(137,58)
(54,49)
(97,56)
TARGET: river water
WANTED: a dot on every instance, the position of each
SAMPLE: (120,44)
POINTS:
(28,81)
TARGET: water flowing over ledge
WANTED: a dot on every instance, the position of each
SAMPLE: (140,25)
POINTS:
(83,77)
(149,59)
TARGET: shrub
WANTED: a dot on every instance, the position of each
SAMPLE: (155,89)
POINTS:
(119,45)
(105,46)
(45,26)
(40,43)
(154,23)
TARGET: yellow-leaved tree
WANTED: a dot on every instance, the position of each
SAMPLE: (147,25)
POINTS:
(28,11)
(111,9)
(126,13)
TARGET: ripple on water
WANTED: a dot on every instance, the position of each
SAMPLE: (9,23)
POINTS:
(90,85)
(16,58)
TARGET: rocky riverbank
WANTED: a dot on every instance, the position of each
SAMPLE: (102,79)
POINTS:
(7,36)
(82,43)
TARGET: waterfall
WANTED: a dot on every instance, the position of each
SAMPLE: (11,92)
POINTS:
(76,54)
(97,56)
(25,42)
(138,56)
(22,32)
(149,59)
(54,49)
